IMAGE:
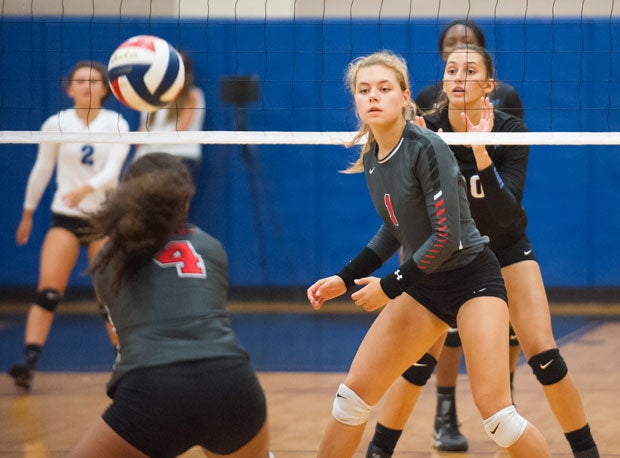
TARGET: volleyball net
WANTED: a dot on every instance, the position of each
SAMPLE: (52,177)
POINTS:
(270,187)
(561,57)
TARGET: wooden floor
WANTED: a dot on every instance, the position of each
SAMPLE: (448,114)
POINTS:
(49,420)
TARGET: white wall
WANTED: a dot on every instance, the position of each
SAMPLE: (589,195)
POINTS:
(274,9)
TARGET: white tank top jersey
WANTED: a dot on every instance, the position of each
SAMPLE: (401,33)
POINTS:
(159,122)
(77,164)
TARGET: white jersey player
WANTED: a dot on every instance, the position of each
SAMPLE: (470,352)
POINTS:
(97,165)
(185,113)
(84,171)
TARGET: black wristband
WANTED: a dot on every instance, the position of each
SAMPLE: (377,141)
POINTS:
(402,278)
(365,263)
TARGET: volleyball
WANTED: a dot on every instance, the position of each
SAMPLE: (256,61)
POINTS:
(146,73)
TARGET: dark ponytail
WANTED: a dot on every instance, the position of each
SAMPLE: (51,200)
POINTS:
(138,217)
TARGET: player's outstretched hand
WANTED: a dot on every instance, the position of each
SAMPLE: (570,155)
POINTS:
(371,297)
(324,290)
(75,196)
(486,117)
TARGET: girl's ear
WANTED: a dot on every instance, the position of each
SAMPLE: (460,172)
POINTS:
(489,86)
(407,96)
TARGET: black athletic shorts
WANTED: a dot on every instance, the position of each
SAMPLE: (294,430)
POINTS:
(443,293)
(80,227)
(521,250)
(165,410)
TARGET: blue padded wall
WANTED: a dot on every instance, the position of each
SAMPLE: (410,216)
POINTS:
(285,213)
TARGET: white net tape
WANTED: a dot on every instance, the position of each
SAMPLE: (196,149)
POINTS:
(303,138)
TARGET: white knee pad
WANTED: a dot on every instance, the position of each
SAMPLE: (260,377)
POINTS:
(505,427)
(349,408)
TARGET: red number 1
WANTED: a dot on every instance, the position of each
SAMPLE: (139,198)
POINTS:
(388,204)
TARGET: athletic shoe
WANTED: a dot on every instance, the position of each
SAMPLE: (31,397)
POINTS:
(376,452)
(448,438)
(22,375)
(446,434)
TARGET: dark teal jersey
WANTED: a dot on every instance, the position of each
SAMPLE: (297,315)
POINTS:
(174,308)
(421,197)
(494,193)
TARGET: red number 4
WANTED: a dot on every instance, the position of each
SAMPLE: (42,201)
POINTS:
(182,255)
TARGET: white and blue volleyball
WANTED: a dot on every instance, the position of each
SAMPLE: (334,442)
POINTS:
(146,73)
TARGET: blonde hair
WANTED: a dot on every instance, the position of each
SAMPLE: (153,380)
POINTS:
(183,99)
(398,66)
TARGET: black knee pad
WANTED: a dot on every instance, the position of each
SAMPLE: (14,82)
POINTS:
(453,339)
(512,338)
(420,372)
(48,299)
(548,367)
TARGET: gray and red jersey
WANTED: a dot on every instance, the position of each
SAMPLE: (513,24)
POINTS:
(421,197)
(174,308)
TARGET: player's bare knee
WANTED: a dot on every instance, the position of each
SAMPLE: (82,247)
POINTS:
(48,299)
(349,408)
(419,373)
(548,366)
(505,427)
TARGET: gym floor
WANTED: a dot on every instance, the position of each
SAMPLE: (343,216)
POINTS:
(301,357)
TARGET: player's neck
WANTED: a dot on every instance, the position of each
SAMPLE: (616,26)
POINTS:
(388,138)
(87,114)
(456,120)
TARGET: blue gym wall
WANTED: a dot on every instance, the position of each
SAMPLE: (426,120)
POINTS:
(285,213)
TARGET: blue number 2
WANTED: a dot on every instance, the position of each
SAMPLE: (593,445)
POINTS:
(87,154)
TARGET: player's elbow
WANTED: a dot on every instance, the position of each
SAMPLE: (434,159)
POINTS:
(449,241)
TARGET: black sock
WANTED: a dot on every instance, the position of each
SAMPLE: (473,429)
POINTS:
(446,390)
(446,406)
(32,352)
(581,439)
(386,438)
